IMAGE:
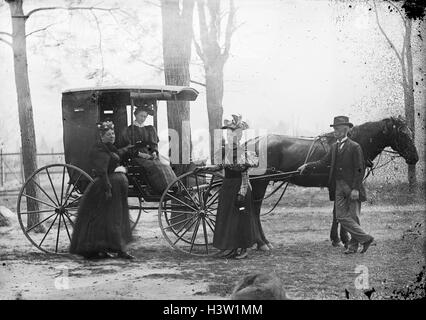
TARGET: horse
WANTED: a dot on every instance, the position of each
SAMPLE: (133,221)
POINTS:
(286,153)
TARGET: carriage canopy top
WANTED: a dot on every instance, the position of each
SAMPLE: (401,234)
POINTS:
(179,93)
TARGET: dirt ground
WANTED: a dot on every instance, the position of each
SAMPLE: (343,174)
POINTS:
(303,258)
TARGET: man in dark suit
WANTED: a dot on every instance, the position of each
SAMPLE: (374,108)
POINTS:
(345,187)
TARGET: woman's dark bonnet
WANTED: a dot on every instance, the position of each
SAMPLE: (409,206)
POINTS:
(148,108)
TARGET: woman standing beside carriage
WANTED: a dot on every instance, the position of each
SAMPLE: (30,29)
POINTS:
(103,225)
(237,227)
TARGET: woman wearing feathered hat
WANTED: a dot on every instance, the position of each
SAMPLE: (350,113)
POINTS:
(236,228)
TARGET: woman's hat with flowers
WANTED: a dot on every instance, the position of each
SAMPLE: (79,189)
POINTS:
(235,123)
(105,126)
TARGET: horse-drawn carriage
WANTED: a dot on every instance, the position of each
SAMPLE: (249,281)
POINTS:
(48,200)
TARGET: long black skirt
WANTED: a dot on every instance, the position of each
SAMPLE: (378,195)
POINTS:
(102,225)
(234,228)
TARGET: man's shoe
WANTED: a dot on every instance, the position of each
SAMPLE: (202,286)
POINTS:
(337,244)
(349,251)
(366,245)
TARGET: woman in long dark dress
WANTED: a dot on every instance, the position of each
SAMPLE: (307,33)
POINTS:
(145,154)
(103,225)
(144,135)
(235,228)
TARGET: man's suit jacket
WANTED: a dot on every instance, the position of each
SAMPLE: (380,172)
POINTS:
(352,167)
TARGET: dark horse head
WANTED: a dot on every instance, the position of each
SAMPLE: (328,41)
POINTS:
(390,132)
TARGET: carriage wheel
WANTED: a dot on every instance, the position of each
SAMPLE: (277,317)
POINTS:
(187,212)
(135,211)
(47,205)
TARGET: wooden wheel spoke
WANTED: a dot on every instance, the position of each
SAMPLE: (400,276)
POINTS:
(185,204)
(38,200)
(206,193)
(210,226)
(62,186)
(212,221)
(73,187)
(68,189)
(176,223)
(190,196)
(37,211)
(194,234)
(213,198)
(48,230)
(66,227)
(200,199)
(57,236)
(68,217)
(187,229)
(56,204)
(39,223)
(72,202)
(51,184)
(206,241)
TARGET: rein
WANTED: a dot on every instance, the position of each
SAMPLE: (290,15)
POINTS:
(311,147)
(377,166)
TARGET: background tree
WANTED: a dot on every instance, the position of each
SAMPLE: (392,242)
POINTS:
(26,121)
(214,57)
(405,58)
(177,20)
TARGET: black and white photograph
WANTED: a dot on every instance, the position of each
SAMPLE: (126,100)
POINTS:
(212,150)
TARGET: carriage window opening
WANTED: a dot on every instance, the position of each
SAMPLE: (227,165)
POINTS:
(78,109)
(108,111)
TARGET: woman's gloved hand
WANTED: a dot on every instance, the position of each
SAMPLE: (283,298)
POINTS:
(144,155)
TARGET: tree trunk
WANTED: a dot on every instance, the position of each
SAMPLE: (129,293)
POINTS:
(409,100)
(214,60)
(423,103)
(177,39)
(214,97)
(25,110)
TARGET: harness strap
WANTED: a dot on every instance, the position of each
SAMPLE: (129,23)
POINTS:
(278,201)
(269,195)
(310,149)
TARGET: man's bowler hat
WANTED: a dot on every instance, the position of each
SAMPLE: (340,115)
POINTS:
(341,121)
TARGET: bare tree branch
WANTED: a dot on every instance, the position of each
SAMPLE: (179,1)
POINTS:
(7,42)
(5,33)
(151,64)
(153,3)
(230,28)
(39,30)
(384,33)
(69,8)
(99,45)
(198,50)
(199,83)
(203,23)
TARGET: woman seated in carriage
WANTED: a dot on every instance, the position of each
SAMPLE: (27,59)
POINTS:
(144,154)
